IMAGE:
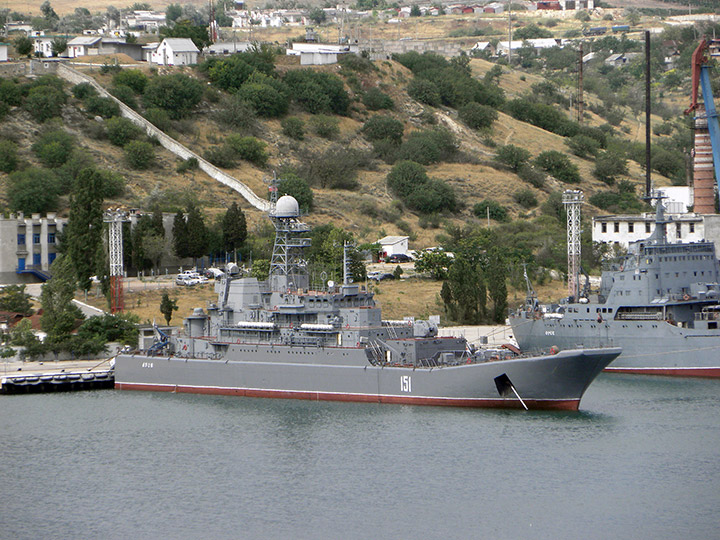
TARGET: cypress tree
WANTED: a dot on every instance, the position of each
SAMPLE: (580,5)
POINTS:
(496,283)
(196,233)
(180,233)
(85,224)
(234,228)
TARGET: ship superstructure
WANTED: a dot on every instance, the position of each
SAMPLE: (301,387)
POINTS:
(660,303)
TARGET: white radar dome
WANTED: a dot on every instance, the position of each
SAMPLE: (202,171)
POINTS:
(287,207)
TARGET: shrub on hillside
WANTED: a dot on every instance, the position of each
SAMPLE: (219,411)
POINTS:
(237,114)
(428,146)
(10,93)
(124,94)
(531,175)
(178,94)
(32,191)
(477,116)
(101,106)
(383,127)
(112,184)
(135,79)
(375,100)
(513,156)
(221,156)
(8,156)
(267,96)
(317,91)
(491,208)
(84,90)
(293,127)
(608,166)
(433,197)
(327,127)
(139,155)
(335,168)
(120,131)
(559,166)
(405,176)
(583,146)
(248,149)
(159,118)
(543,116)
(525,198)
(53,148)
(424,91)
(44,102)
(189,164)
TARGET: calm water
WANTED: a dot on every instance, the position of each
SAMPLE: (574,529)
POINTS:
(641,460)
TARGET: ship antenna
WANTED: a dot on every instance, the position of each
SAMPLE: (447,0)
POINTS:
(347,261)
(531,296)
(573,199)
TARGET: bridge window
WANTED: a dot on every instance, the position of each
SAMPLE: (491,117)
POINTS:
(616,226)
(631,227)
(692,227)
(647,228)
(603,227)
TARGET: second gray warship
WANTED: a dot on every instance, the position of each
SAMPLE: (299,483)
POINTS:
(660,303)
(281,338)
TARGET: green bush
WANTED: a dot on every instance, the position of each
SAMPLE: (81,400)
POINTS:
(8,156)
(383,127)
(327,127)
(433,197)
(266,99)
(477,116)
(559,166)
(543,116)
(317,91)
(532,176)
(178,94)
(497,212)
(53,148)
(428,146)
(405,176)
(189,164)
(293,127)
(159,118)
(102,106)
(124,94)
(132,78)
(221,156)
(583,146)
(525,198)
(120,131)
(386,149)
(424,91)
(113,184)
(608,166)
(44,102)
(375,100)
(84,90)
(10,93)
(32,191)
(139,155)
(248,149)
(513,156)
(237,114)
(335,168)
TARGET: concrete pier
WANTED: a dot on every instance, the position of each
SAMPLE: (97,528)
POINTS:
(39,377)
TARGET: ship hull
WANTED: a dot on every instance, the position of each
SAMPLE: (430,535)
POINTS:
(648,347)
(543,382)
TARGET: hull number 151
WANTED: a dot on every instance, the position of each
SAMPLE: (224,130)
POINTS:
(405,383)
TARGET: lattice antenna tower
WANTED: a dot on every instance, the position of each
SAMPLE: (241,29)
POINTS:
(573,199)
(347,263)
(115,219)
(288,267)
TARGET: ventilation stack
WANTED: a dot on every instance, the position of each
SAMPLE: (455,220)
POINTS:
(703,170)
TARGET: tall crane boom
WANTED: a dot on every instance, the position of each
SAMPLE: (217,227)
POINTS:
(704,120)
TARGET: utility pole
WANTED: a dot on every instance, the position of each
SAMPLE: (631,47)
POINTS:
(509,32)
(648,176)
(580,98)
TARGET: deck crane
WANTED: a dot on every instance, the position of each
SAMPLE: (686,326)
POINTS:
(705,122)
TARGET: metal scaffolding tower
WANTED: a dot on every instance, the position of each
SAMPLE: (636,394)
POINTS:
(573,200)
(115,219)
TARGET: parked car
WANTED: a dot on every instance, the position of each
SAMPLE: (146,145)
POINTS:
(398,258)
(214,273)
(379,276)
(189,277)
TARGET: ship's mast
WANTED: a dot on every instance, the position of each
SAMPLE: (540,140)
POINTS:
(288,267)
(573,199)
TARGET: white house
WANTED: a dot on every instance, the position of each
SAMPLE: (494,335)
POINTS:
(313,54)
(4,52)
(175,52)
(83,46)
(42,46)
(393,245)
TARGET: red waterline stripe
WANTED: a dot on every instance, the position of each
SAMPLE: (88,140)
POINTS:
(711,372)
(555,404)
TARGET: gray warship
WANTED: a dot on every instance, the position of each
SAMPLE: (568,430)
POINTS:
(660,303)
(281,338)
